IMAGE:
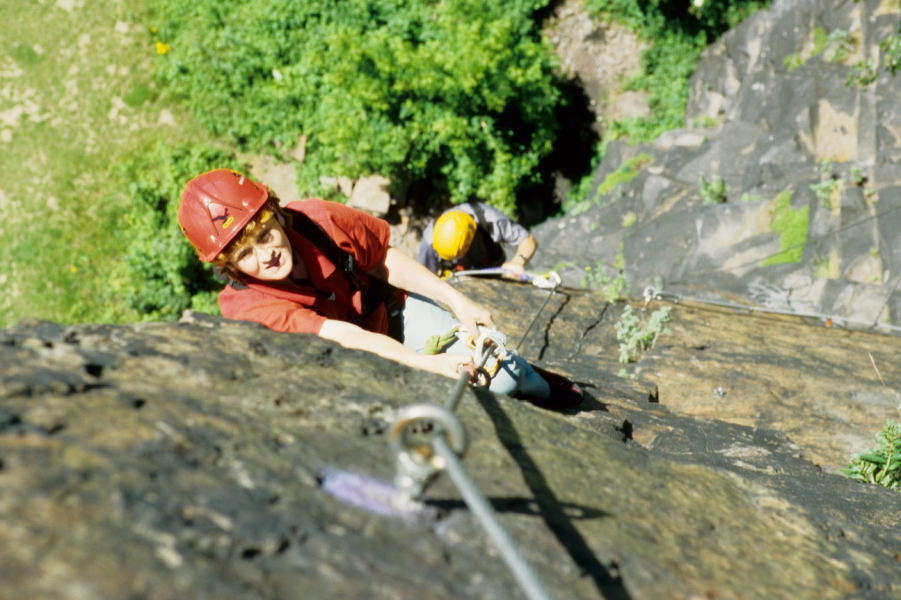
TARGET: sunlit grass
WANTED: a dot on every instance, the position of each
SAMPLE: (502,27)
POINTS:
(76,94)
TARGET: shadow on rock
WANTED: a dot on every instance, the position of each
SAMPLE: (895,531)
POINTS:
(523,506)
(549,507)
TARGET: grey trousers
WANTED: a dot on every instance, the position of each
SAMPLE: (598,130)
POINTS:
(424,319)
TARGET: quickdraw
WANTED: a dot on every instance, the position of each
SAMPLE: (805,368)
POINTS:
(490,353)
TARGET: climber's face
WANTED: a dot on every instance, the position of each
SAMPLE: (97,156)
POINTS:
(268,257)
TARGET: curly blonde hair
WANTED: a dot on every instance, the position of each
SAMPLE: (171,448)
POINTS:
(226,259)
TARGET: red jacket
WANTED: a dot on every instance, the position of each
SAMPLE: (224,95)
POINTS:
(302,306)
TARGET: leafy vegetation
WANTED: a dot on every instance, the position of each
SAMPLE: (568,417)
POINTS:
(81,79)
(862,74)
(458,97)
(713,190)
(890,48)
(825,190)
(881,465)
(865,72)
(792,61)
(625,173)
(828,186)
(839,46)
(637,335)
(820,41)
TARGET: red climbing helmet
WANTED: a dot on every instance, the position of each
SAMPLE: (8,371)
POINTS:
(215,206)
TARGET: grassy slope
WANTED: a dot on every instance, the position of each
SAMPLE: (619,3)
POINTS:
(76,95)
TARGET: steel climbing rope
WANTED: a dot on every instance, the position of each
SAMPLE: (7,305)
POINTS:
(651,293)
(418,462)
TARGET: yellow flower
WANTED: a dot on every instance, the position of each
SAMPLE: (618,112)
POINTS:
(162,47)
(73,268)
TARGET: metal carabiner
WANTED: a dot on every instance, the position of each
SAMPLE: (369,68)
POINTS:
(492,344)
(481,377)
(416,461)
(652,293)
(547,281)
(497,339)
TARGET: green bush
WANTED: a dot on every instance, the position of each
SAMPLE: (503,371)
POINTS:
(163,276)
(458,97)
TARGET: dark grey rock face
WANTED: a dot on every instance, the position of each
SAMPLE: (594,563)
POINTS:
(187,460)
(770,115)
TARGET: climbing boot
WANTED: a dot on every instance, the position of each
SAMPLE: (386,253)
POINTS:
(564,393)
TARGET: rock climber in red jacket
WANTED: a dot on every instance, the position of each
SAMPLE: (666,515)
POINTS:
(320,267)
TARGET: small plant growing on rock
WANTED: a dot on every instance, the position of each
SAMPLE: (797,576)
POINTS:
(839,46)
(866,72)
(870,194)
(820,40)
(862,74)
(792,61)
(882,465)
(713,190)
(610,288)
(703,122)
(827,186)
(626,172)
(824,190)
(891,52)
(637,335)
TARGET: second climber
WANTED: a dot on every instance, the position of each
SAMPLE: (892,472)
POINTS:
(473,235)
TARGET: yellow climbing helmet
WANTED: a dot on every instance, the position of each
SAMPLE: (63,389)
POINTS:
(453,234)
